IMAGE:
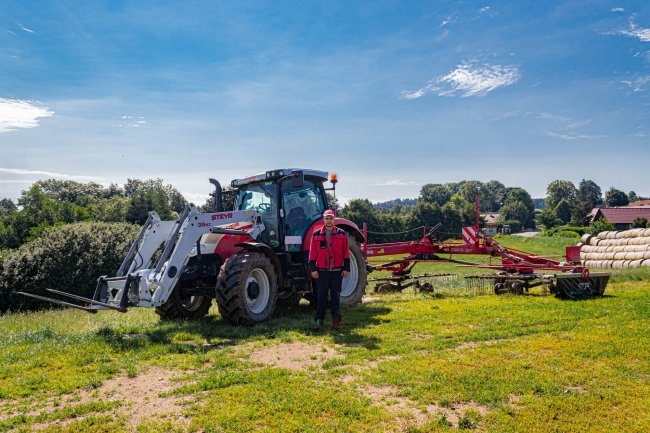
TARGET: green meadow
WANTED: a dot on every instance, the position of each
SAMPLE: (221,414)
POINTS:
(456,359)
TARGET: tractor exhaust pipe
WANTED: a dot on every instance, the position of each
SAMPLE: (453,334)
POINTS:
(218,202)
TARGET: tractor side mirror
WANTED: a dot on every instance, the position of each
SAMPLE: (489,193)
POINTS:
(298,179)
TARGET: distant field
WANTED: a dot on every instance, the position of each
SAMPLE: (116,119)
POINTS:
(448,361)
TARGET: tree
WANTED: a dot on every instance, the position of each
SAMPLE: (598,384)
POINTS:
(152,195)
(425,214)
(514,195)
(469,189)
(362,211)
(548,218)
(563,210)
(588,197)
(640,223)
(559,189)
(514,210)
(7,206)
(435,193)
(616,197)
(492,196)
(68,190)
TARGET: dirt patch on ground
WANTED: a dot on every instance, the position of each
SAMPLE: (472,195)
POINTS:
(408,413)
(292,356)
(140,398)
(474,344)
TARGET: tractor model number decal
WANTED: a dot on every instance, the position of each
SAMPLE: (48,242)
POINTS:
(202,224)
(221,216)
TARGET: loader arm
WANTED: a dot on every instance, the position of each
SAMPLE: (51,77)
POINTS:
(141,282)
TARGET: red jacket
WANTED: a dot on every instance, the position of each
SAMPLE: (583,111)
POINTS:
(338,254)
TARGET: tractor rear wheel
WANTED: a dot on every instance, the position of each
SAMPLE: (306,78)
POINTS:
(179,306)
(247,288)
(354,286)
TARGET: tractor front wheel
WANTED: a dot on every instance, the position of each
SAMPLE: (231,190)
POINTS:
(247,288)
(180,306)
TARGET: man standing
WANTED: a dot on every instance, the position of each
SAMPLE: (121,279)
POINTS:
(329,261)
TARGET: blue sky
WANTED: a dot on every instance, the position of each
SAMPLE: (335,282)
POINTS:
(389,95)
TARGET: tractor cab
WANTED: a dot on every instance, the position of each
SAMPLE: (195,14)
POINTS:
(288,200)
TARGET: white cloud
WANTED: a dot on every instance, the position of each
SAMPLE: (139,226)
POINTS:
(618,10)
(16,113)
(197,198)
(26,172)
(396,182)
(567,122)
(639,84)
(468,80)
(573,136)
(22,27)
(634,31)
(484,9)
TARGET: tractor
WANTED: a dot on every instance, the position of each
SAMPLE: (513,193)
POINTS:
(252,258)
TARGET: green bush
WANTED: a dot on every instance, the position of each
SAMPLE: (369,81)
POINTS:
(572,230)
(68,258)
(566,234)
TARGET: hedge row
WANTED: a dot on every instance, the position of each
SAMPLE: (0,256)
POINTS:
(68,258)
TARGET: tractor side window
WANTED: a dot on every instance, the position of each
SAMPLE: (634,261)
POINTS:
(302,206)
(262,197)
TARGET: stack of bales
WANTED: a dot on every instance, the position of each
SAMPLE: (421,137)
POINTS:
(616,249)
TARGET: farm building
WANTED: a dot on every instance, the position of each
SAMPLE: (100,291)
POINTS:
(622,217)
(639,203)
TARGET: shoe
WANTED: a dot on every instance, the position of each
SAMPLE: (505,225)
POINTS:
(318,325)
(336,323)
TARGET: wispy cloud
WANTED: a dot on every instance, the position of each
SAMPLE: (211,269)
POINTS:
(132,121)
(639,84)
(468,80)
(22,27)
(16,113)
(27,172)
(572,136)
(396,182)
(634,31)
(567,122)
(618,10)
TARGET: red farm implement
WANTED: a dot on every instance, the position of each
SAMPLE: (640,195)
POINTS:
(516,272)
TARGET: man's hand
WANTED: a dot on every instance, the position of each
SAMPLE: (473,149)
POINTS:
(314,275)
(345,274)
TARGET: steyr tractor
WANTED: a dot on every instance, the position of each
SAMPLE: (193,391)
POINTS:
(252,258)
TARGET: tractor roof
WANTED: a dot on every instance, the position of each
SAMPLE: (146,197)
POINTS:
(276,174)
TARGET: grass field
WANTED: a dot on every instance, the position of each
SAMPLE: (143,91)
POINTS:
(448,361)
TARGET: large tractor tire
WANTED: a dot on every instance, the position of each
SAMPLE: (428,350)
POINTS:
(247,289)
(354,286)
(184,307)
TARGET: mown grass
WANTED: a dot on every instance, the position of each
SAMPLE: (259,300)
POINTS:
(535,363)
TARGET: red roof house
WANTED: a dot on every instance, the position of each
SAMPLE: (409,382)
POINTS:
(622,217)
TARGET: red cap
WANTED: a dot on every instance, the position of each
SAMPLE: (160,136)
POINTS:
(328,212)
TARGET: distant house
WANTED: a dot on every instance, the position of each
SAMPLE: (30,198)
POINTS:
(639,203)
(622,217)
(490,218)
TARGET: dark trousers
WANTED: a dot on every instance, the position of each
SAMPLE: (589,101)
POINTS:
(329,283)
